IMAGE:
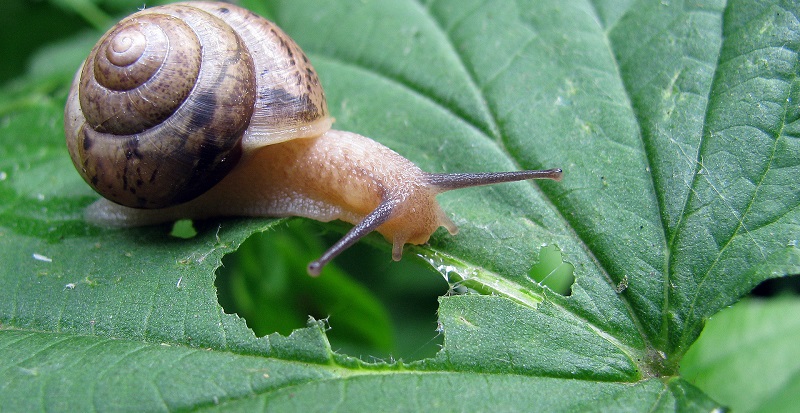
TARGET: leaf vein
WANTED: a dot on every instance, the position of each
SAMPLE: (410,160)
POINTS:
(698,292)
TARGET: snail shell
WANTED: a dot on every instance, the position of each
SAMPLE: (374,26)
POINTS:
(203,109)
(170,97)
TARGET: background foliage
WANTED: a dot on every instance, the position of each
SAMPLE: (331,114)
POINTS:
(676,124)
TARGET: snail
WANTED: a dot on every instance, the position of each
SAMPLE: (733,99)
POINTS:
(204,109)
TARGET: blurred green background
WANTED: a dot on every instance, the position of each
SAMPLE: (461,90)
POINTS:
(376,308)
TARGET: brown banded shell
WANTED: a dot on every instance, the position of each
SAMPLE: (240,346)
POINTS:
(290,101)
(169,98)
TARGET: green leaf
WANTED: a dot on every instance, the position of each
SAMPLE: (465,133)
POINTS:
(753,339)
(112,374)
(675,124)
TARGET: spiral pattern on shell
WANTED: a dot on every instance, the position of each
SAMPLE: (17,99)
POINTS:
(140,79)
(158,111)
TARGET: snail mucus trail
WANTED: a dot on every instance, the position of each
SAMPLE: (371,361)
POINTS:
(202,109)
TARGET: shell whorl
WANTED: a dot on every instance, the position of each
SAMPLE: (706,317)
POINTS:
(158,111)
(290,100)
(135,78)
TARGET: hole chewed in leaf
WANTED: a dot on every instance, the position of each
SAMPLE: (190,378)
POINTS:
(377,309)
(552,271)
(184,229)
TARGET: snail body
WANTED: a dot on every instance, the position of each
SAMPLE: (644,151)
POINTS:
(236,124)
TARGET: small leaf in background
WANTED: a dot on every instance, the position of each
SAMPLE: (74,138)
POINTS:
(748,357)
